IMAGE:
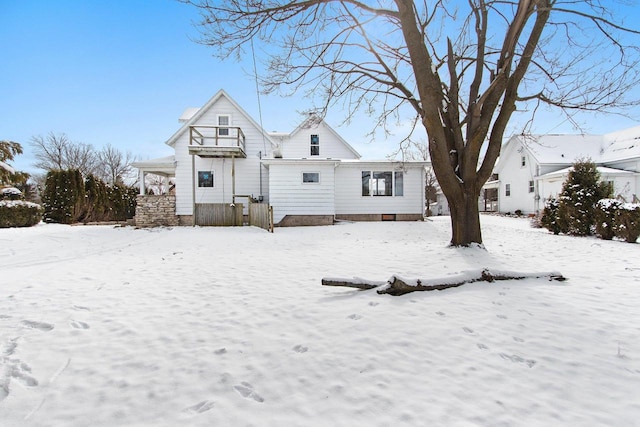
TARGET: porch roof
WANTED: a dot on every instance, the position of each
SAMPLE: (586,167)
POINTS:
(165,166)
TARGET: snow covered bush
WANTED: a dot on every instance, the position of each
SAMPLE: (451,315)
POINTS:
(627,222)
(580,193)
(18,213)
(549,218)
(10,193)
(605,217)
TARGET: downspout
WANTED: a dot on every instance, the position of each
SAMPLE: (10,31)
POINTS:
(260,167)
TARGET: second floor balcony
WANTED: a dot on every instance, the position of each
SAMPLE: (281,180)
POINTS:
(217,141)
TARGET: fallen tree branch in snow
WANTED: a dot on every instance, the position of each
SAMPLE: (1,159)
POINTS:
(398,286)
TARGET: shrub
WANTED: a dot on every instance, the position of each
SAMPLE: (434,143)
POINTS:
(10,193)
(549,219)
(580,193)
(18,213)
(63,196)
(605,218)
(627,222)
(96,200)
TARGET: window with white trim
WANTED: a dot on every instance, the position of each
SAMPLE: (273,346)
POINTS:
(310,177)
(523,161)
(315,145)
(224,120)
(507,190)
(382,183)
(532,186)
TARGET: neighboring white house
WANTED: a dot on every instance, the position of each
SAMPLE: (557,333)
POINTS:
(531,168)
(309,176)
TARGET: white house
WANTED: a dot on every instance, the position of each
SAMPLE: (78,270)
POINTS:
(309,176)
(531,168)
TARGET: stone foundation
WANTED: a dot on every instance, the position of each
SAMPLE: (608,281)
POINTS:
(156,211)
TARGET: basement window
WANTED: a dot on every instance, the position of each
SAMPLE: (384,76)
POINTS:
(205,178)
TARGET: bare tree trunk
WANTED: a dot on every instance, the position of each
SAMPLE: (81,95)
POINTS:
(465,219)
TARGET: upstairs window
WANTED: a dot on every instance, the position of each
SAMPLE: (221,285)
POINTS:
(315,145)
(224,120)
(523,161)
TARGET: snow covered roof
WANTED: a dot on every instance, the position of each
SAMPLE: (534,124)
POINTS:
(188,113)
(603,171)
(563,149)
(161,166)
(623,144)
(566,149)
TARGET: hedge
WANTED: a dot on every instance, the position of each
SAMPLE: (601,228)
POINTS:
(18,213)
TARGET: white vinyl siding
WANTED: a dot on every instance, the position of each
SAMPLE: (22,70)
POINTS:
(298,145)
(290,196)
(349,198)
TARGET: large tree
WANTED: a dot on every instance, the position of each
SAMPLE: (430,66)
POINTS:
(462,66)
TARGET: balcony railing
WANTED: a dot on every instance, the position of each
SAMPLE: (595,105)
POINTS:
(216,141)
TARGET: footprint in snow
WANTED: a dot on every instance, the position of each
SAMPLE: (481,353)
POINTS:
(80,307)
(354,317)
(79,325)
(300,349)
(222,350)
(373,303)
(441,313)
(246,390)
(468,330)
(38,325)
(518,339)
(482,346)
(517,359)
(501,316)
(200,407)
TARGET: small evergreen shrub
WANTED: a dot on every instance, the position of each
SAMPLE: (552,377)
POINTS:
(627,222)
(580,193)
(605,218)
(18,213)
(549,218)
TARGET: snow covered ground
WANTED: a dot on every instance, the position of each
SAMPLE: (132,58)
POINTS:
(107,326)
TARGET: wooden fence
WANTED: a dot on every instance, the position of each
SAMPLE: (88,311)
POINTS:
(219,214)
(227,215)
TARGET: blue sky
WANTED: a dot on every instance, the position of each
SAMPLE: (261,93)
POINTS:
(122,72)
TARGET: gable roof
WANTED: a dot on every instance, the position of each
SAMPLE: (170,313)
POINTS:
(562,149)
(315,120)
(192,115)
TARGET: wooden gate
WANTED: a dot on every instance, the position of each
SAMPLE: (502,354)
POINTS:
(219,214)
(261,215)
